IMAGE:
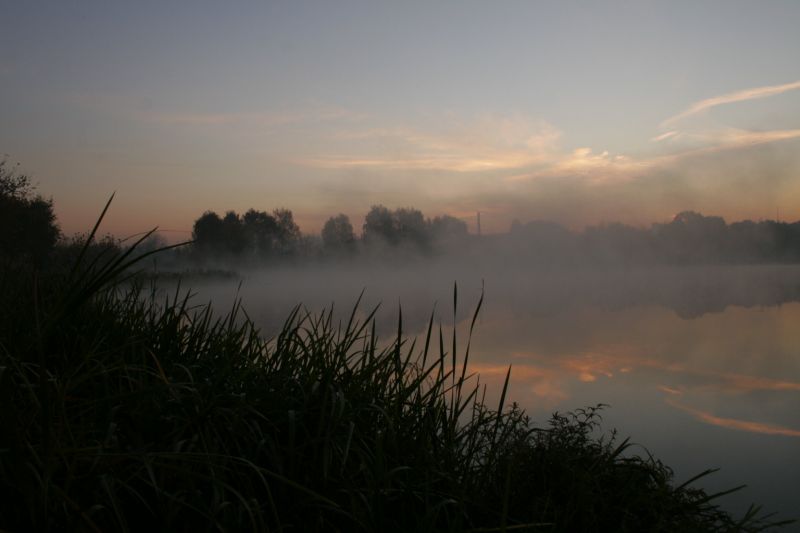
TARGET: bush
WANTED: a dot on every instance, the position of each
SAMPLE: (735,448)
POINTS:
(29,225)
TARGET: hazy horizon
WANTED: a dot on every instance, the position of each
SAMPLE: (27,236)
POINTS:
(613,111)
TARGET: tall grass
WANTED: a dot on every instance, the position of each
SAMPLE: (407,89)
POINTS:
(126,410)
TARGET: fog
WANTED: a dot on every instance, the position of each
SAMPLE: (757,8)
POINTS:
(422,287)
(697,362)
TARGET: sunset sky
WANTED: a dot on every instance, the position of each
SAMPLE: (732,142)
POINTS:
(578,112)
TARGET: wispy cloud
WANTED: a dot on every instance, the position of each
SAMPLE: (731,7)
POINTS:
(522,151)
(739,138)
(447,163)
(600,167)
(486,145)
(721,140)
(518,151)
(738,96)
(665,136)
(604,167)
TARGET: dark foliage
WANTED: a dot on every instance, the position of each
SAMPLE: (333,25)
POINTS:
(29,225)
(257,235)
(401,226)
(338,236)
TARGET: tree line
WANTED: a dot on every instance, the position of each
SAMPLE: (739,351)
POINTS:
(254,233)
(260,234)
(689,238)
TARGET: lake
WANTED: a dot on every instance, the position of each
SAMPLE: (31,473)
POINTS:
(700,365)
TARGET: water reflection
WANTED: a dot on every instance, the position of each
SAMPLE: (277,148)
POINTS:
(707,360)
(701,365)
(741,361)
(719,390)
(731,423)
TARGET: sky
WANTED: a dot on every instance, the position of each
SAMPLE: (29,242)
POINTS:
(577,112)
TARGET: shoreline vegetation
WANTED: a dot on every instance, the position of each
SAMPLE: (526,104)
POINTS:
(125,409)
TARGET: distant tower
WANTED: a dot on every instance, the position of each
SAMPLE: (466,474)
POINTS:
(479,223)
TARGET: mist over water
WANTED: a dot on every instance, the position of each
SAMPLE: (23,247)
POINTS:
(686,329)
(526,292)
(698,363)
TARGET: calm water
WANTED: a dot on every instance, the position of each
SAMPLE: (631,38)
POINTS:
(700,365)
(721,390)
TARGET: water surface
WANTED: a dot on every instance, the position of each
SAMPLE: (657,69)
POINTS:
(699,364)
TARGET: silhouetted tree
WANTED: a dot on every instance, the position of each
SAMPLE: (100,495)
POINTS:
(379,226)
(208,233)
(691,237)
(29,225)
(233,233)
(403,225)
(337,235)
(261,232)
(257,233)
(288,233)
(448,228)
(411,226)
